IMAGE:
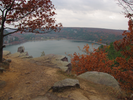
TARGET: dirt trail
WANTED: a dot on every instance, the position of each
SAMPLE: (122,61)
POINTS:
(28,81)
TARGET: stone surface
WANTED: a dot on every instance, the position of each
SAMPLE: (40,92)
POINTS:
(5,53)
(100,78)
(63,68)
(8,60)
(15,54)
(64,59)
(21,55)
(66,83)
(51,96)
(21,49)
(2,69)
(2,83)
(4,65)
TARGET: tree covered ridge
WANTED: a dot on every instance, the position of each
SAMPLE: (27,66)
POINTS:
(86,34)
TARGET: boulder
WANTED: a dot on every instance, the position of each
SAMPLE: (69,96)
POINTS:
(100,78)
(21,49)
(66,83)
(5,53)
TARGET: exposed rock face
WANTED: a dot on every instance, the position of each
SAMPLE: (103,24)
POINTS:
(66,83)
(100,78)
(64,59)
(5,53)
(69,69)
(62,63)
(21,49)
(21,55)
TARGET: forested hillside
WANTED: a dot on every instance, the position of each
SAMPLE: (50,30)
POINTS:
(93,34)
(86,34)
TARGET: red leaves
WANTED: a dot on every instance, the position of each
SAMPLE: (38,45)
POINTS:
(95,61)
(26,12)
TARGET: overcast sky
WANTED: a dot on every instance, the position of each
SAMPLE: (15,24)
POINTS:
(90,13)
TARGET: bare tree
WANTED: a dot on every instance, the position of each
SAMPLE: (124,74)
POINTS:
(128,7)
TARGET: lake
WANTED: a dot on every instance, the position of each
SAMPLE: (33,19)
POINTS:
(60,47)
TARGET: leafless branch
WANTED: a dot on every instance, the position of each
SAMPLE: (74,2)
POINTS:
(20,17)
(10,33)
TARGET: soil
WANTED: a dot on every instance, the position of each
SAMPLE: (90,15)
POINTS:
(26,80)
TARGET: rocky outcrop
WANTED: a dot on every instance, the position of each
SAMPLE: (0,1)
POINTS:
(66,83)
(21,55)
(62,63)
(21,49)
(52,60)
(100,78)
(6,53)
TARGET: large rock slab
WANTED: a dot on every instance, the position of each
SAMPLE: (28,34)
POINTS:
(58,61)
(21,55)
(100,78)
(5,53)
(66,83)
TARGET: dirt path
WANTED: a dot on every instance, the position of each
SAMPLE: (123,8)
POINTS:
(28,81)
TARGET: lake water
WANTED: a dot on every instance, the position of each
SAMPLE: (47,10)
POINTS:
(60,47)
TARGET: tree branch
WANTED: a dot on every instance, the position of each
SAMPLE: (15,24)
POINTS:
(10,33)
(8,9)
(20,17)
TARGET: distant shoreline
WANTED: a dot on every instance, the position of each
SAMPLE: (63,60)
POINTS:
(86,41)
(55,39)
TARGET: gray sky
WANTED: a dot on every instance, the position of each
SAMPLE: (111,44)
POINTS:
(90,13)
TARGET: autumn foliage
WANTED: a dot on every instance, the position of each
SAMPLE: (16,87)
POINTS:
(26,15)
(99,61)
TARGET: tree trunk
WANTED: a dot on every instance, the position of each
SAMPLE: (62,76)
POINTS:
(1,44)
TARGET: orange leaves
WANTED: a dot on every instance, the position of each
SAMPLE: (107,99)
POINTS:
(95,61)
(86,48)
(125,68)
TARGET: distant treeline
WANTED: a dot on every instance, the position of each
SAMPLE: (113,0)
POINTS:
(92,34)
